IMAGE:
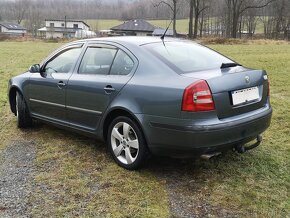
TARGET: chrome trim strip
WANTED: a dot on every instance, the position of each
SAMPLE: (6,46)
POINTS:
(48,103)
(63,123)
(83,110)
(68,107)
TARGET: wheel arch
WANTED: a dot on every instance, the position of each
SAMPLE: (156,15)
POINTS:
(116,112)
(12,97)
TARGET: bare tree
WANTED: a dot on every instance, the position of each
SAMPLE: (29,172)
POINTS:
(19,9)
(236,8)
(250,21)
(33,20)
(225,18)
(196,6)
(281,18)
(173,8)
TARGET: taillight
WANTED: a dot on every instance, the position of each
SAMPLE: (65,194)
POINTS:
(268,83)
(197,97)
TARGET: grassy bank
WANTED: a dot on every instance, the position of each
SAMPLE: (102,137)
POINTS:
(76,175)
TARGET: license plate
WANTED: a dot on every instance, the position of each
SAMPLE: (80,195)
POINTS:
(245,95)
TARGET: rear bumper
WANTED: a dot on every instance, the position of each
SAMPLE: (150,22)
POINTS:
(185,138)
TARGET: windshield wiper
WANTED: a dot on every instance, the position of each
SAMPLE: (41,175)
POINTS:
(227,65)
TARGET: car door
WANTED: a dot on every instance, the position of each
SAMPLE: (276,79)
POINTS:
(47,89)
(103,71)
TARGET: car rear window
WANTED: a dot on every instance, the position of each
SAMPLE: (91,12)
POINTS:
(187,57)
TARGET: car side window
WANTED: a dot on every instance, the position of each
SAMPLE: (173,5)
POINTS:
(122,65)
(97,61)
(63,62)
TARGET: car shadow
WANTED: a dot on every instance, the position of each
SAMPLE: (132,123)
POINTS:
(153,164)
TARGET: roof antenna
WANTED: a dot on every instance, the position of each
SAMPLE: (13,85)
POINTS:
(164,34)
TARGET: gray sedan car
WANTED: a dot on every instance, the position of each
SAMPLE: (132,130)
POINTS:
(145,95)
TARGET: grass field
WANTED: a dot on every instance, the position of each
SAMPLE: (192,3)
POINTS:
(76,176)
(181,25)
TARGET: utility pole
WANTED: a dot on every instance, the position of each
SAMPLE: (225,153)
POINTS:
(65,28)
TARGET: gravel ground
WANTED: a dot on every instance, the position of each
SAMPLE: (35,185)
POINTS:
(16,184)
(183,183)
(16,168)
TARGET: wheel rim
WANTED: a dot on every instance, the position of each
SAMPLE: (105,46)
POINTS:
(125,143)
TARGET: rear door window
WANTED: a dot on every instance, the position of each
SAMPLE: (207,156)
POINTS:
(106,61)
(97,60)
(122,65)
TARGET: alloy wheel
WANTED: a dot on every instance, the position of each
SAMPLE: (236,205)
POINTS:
(125,143)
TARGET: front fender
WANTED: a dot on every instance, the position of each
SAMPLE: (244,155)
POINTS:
(20,84)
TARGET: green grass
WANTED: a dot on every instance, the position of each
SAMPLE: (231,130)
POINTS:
(15,58)
(260,180)
(107,24)
(76,176)
(181,24)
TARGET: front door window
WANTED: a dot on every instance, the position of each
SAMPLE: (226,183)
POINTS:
(63,62)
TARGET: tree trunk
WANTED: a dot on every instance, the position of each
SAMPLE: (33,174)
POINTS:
(174,17)
(235,25)
(196,15)
(240,28)
(201,25)
(229,19)
(190,26)
(195,25)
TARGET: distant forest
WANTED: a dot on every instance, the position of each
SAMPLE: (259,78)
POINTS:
(229,18)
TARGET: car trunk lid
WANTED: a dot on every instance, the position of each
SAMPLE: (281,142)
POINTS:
(235,90)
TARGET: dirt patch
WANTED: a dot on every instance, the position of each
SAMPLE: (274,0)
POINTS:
(16,169)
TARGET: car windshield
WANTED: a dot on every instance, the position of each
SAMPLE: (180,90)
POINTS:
(186,57)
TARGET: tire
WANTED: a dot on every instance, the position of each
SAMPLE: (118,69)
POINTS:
(23,118)
(126,143)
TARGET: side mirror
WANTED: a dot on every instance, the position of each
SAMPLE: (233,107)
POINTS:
(34,68)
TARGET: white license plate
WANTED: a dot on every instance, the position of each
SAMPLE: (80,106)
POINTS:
(245,95)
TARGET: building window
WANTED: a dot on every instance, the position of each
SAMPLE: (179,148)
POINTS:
(51,24)
(62,24)
(76,26)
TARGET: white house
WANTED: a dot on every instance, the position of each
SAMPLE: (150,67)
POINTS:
(80,34)
(62,28)
(12,29)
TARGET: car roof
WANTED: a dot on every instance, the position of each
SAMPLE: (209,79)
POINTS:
(133,40)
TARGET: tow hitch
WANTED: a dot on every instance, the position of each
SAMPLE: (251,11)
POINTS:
(243,149)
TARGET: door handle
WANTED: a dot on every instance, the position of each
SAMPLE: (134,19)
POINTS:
(61,84)
(108,89)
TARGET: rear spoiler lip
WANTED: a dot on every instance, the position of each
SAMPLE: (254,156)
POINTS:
(228,65)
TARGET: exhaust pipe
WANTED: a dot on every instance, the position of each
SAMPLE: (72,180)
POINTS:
(209,156)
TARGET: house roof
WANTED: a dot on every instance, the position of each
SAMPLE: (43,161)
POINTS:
(135,26)
(12,26)
(160,32)
(68,20)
